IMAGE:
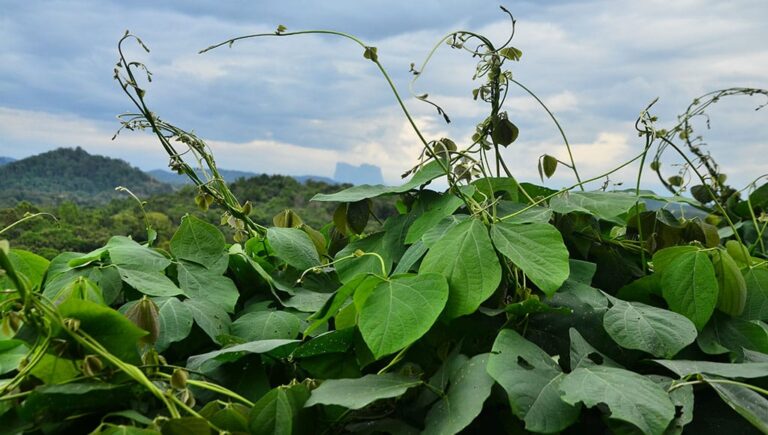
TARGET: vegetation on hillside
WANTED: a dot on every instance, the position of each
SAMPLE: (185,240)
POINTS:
(71,175)
(494,306)
(83,228)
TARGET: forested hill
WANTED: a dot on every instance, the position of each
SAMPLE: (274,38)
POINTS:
(72,175)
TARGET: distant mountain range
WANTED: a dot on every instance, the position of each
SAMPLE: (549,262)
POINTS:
(229,175)
(67,174)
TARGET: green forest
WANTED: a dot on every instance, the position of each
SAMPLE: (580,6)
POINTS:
(462,300)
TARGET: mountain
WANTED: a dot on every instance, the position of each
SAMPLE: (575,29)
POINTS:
(4,160)
(363,174)
(229,175)
(67,174)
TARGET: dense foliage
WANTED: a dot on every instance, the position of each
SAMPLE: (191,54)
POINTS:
(492,305)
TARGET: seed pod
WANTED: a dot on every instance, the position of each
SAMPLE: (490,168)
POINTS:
(71,324)
(92,365)
(144,315)
(187,397)
(287,219)
(505,132)
(179,379)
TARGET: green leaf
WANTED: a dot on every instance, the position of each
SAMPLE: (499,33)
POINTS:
(466,257)
(748,403)
(584,355)
(537,249)
(25,263)
(278,411)
(732,288)
(756,305)
(198,241)
(55,370)
(210,360)
(175,322)
(724,333)
(441,208)
(682,398)
(105,325)
(684,368)
(690,287)
(186,426)
(212,319)
(294,247)
(125,252)
(469,387)
(427,173)
(12,352)
(197,282)
(609,206)
(52,403)
(401,310)
(629,396)
(349,268)
(659,332)
(411,256)
(360,392)
(149,283)
(266,325)
(663,259)
(531,379)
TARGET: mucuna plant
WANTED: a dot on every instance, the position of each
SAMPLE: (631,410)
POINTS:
(489,305)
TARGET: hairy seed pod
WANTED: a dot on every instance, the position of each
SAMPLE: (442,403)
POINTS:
(179,379)
(92,365)
(144,315)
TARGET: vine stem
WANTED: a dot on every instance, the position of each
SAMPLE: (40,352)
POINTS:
(718,381)
(559,128)
(548,197)
(26,218)
(467,200)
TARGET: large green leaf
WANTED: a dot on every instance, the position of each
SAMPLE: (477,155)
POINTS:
(197,282)
(537,249)
(175,322)
(629,396)
(360,392)
(756,306)
(531,379)
(685,368)
(266,325)
(213,359)
(293,246)
(198,241)
(149,283)
(690,288)
(748,403)
(52,403)
(428,172)
(659,332)
(399,311)
(125,252)
(107,326)
(608,206)
(466,257)
(278,411)
(469,387)
(211,318)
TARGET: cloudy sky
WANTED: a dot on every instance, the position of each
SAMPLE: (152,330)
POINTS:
(298,105)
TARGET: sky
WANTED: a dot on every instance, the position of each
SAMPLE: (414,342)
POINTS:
(298,105)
